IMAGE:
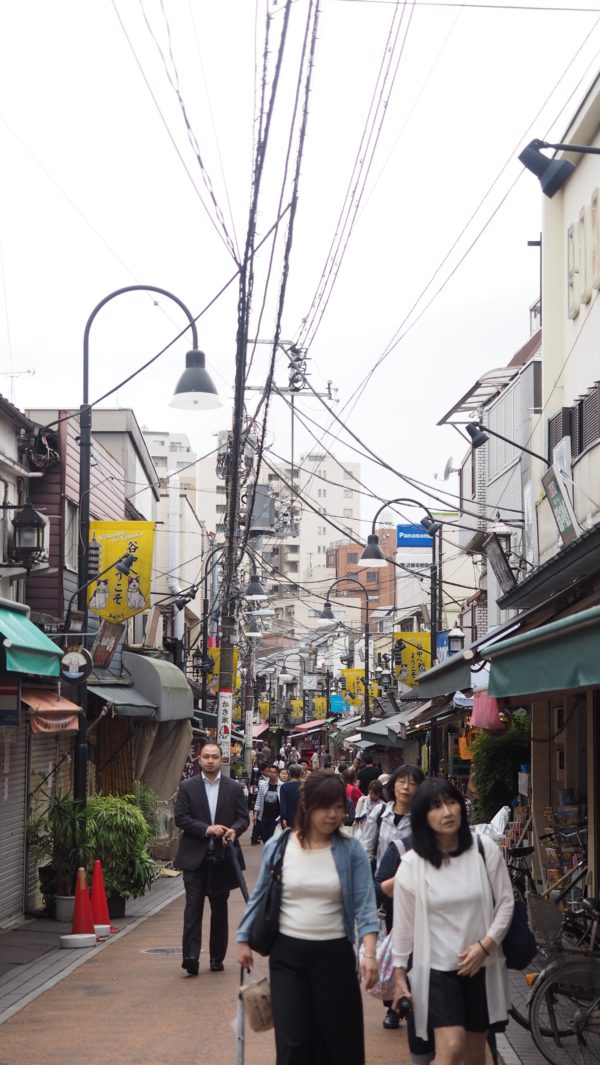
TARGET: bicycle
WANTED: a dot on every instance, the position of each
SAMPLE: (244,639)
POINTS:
(564,1004)
(574,928)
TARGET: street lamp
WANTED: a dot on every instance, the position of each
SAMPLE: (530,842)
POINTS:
(29,535)
(254,588)
(195,389)
(374,556)
(552,173)
(326,616)
(480,433)
(456,640)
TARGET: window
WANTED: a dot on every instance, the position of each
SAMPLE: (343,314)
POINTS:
(315,458)
(348,530)
(221,489)
(220,508)
(353,574)
(348,493)
(348,513)
(321,493)
(372,577)
(71,537)
(348,476)
(352,557)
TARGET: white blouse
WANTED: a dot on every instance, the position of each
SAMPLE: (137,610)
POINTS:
(439,912)
(311,903)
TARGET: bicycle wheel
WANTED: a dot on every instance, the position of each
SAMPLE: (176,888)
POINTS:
(565,1013)
(520,989)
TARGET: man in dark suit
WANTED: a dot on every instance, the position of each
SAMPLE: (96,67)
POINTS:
(212,810)
(290,797)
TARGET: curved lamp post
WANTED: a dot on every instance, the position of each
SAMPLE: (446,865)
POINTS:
(194,390)
(327,615)
(374,556)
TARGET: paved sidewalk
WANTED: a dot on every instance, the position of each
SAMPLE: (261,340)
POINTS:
(132,1001)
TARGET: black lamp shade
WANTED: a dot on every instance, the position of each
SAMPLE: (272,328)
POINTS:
(552,173)
(124,564)
(195,389)
(478,437)
(254,589)
(326,616)
(430,525)
(372,555)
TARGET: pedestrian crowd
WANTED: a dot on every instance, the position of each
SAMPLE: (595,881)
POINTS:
(368,866)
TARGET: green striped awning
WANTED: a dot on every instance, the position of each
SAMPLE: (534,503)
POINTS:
(26,648)
(556,657)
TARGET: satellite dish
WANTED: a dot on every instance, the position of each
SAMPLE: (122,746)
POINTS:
(449,468)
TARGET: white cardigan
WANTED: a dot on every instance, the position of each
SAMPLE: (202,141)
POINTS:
(411,933)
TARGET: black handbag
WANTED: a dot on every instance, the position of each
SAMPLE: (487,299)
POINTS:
(265,925)
(518,946)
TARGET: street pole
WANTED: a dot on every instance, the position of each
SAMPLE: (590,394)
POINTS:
(80,752)
(367,675)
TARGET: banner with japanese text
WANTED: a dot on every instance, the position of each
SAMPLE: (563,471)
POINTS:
(416,656)
(117,596)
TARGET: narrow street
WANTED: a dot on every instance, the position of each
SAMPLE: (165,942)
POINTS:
(131,1002)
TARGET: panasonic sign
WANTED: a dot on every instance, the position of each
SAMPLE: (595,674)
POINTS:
(412,536)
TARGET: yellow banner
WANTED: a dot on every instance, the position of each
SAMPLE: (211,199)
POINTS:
(416,657)
(263,709)
(319,707)
(118,596)
(296,709)
(213,680)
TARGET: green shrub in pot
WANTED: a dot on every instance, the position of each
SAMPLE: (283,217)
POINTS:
(57,839)
(117,834)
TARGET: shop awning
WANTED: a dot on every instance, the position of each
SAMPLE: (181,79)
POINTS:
(447,677)
(556,657)
(50,712)
(125,700)
(26,648)
(259,730)
(309,727)
(574,565)
(163,684)
(389,732)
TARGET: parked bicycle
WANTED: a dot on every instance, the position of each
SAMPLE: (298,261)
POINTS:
(575,927)
(564,1003)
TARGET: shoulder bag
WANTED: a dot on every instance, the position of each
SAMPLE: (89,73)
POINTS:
(373,860)
(519,946)
(265,925)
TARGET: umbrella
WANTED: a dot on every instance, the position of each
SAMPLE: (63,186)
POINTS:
(241,1039)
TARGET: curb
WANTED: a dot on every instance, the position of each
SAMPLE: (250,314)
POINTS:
(85,955)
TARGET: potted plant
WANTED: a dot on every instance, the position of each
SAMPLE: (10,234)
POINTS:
(57,838)
(117,834)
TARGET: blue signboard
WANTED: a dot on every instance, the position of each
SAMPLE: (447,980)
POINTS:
(337,704)
(412,536)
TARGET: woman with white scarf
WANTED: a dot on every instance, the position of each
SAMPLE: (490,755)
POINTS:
(452,909)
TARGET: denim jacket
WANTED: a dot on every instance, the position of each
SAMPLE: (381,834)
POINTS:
(356,879)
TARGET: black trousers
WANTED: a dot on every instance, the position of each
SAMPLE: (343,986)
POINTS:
(266,828)
(317,1006)
(196,890)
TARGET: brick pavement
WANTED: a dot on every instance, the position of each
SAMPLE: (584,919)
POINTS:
(127,1004)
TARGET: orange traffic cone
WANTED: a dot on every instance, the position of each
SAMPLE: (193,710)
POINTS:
(83,919)
(99,903)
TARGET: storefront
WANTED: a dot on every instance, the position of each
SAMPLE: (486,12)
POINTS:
(26,654)
(557,668)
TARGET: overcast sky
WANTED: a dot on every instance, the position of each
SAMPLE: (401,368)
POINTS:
(94,196)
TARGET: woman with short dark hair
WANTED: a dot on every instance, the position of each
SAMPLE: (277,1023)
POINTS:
(452,908)
(327,895)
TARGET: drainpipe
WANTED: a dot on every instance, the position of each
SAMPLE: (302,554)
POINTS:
(173,567)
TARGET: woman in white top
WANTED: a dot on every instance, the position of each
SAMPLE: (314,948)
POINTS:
(451,911)
(327,898)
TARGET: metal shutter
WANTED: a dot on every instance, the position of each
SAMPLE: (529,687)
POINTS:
(42,760)
(558,426)
(591,416)
(13,794)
